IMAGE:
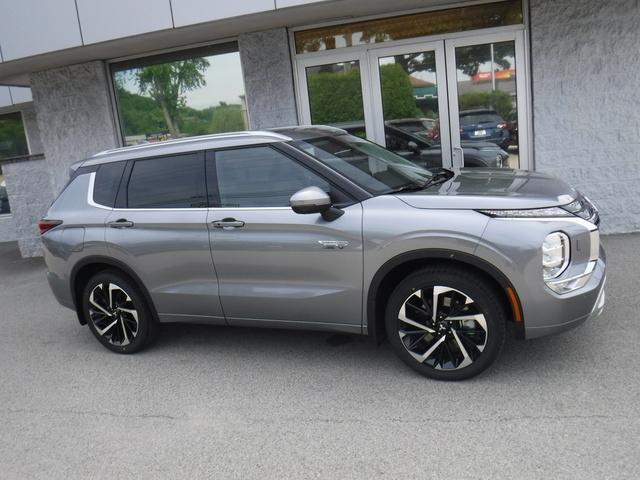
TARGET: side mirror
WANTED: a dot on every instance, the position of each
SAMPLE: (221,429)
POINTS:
(413,146)
(314,200)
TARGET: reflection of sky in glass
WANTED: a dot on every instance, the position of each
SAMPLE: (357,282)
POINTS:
(486,68)
(223,77)
(425,75)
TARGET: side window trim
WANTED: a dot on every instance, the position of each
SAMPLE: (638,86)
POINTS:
(122,198)
(212,177)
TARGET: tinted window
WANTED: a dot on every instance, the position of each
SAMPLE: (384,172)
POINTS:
(260,177)
(107,181)
(168,182)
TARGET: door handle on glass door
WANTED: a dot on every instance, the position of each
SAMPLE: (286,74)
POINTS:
(120,223)
(228,223)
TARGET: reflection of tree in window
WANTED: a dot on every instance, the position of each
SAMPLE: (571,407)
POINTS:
(158,101)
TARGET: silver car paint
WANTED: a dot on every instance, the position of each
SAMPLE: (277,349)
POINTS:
(274,272)
(274,269)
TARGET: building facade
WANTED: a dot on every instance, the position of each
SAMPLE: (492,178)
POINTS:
(531,84)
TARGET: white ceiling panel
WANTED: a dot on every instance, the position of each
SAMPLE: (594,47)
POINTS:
(107,20)
(189,12)
(293,3)
(5,98)
(30,27)
(20,94)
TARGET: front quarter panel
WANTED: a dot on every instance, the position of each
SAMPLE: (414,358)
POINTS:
(392,228)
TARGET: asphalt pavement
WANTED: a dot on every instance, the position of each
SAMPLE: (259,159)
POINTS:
(218,402)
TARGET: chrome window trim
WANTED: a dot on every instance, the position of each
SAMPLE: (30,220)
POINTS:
(90,200)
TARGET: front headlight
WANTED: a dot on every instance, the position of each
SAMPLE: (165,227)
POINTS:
(555,255)
(583,207)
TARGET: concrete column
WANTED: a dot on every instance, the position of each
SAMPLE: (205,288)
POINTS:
(30,194)
(75,116)
(585,67)
(31,129)
(268,78)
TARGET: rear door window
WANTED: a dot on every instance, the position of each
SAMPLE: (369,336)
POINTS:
(107,182)
(176,181)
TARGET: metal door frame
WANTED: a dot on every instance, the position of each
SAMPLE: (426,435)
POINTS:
(522,91)
(438,47)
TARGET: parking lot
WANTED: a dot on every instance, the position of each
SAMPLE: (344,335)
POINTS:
(221,402)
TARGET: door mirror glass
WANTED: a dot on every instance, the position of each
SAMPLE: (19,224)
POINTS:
(310,200)
(413,146)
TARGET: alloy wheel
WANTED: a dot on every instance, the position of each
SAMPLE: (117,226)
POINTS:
(113,314)
(442,327)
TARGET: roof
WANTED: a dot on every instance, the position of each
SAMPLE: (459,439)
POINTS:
(205,142)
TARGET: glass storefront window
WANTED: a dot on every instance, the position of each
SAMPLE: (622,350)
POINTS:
(187,93)
(13,143)
(487,97)
(449,20)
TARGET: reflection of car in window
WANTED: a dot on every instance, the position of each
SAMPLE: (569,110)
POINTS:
(484,125)
(425,153)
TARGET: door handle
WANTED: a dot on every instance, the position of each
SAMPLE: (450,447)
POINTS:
(120,223)
(228,223)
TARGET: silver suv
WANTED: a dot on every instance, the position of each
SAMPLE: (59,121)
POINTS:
(312,228)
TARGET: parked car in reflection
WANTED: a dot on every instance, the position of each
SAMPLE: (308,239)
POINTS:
(484,125)
(428,154)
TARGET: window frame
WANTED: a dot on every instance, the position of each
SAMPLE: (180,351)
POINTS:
(229,45)
(337,183)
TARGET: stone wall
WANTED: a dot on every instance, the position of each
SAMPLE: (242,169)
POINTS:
(268,78)
(75,116)
(30,194)
(585,66)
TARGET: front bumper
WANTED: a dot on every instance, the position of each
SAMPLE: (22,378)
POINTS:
(571,310)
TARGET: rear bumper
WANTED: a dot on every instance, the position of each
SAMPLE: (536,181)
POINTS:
(584,304)
(60,289)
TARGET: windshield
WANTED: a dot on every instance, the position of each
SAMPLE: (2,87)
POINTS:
(366,164)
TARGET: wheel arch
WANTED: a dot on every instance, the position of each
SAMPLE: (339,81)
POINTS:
(390,273)
(89,266)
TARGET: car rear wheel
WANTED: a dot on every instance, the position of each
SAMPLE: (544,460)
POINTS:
(446,323)
(117,313)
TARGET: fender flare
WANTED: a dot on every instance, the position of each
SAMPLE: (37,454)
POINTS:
(431,254)
(99,259)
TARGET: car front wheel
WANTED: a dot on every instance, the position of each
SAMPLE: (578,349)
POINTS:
(447,323)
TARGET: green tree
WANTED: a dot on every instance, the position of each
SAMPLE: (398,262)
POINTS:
(397,93)
(227,118)
(139,114)
(335,97)
(167,83)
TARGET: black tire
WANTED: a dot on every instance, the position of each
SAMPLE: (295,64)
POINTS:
(130,325)
(446,360)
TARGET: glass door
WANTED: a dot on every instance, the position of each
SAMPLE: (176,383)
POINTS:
(333,88)
(487,99)
(410,110)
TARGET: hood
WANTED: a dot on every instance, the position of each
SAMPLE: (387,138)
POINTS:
(487,188)
(478,145)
